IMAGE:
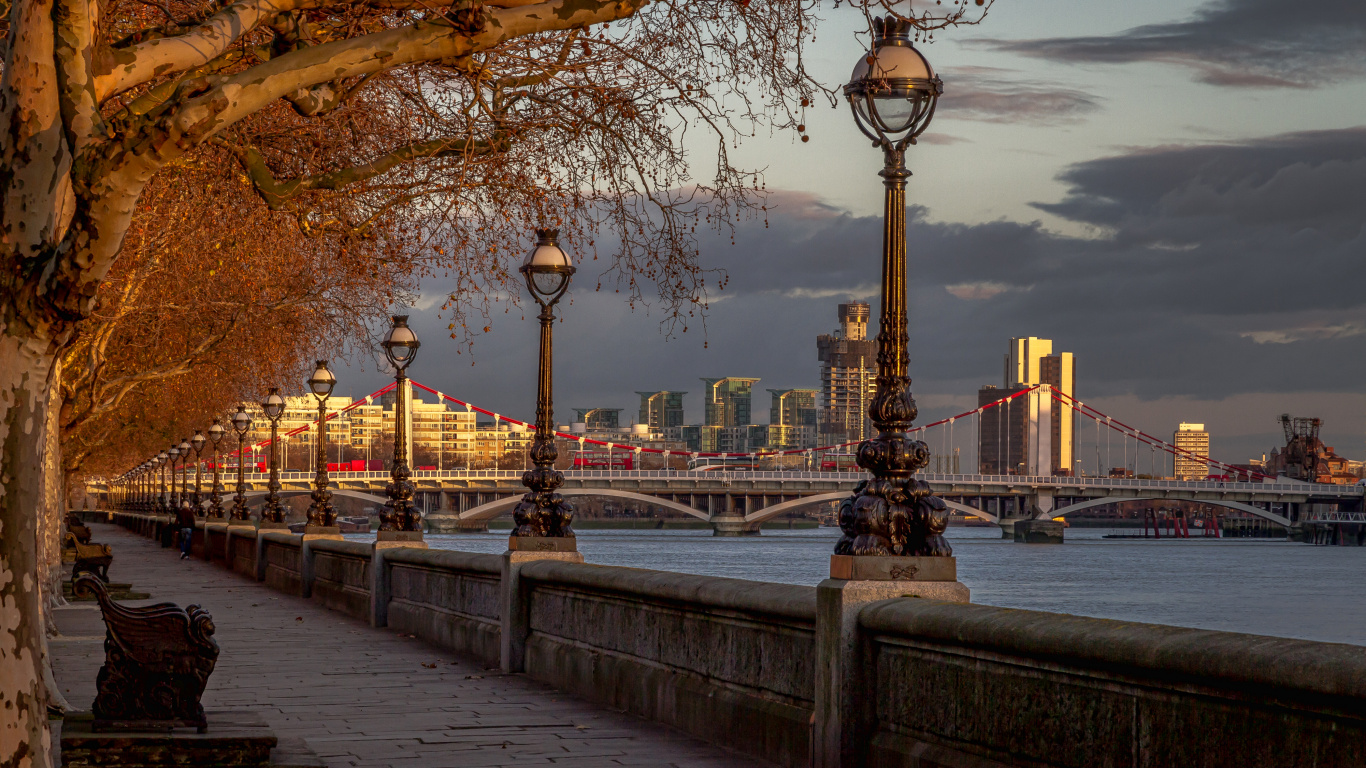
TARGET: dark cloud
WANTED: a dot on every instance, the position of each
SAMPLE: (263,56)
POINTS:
(1209,272)
(1241,43)
(989,94)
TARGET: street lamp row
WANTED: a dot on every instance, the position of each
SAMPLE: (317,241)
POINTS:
(542,513)
(892,94)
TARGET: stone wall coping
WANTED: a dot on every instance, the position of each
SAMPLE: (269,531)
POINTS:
(787,601)
(1218,659)
(356,549)
(286,538)
(446,559)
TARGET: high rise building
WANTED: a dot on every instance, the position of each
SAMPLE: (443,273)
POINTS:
(661,410)
(1003,440)
(598,418)
(1192,438)
(792,419)
(848,361)
(1006,431)
(727,401)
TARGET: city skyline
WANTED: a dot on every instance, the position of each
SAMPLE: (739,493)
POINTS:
(1172,225)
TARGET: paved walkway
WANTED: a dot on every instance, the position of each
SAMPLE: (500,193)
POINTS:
(361,696)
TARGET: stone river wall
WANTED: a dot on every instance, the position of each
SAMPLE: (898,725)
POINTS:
(935,684)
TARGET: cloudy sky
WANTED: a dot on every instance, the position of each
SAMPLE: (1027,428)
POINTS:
(1175,191)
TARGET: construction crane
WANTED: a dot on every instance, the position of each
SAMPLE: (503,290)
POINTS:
(1302,446)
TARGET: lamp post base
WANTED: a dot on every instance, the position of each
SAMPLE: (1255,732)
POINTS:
(893,568)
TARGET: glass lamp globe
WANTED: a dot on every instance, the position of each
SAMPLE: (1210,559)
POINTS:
(198,441)
(547,268)
(216,431)
(241,421)
(273,405)
(322,381)
(893,90)
(400,343)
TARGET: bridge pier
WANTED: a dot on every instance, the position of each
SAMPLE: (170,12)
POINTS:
(732,525)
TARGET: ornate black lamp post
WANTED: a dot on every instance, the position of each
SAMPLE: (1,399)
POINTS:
(216,495)
(322,518)
(272,514)
(174,505)
(893,94)
(185,449)
(161,460)
(399,517)
(542,512)
(197,442)
(241,422)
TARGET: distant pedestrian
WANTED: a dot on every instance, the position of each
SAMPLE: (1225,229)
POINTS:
(185,519)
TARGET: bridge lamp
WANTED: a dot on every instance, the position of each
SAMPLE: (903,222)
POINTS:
(241,422)
(216,494)
(322,518)
(273,515)
(399,521)
(542,512)
(892,93)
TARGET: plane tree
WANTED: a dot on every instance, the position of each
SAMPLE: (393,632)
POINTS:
(457,125)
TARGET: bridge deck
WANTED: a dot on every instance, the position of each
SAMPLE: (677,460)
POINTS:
(361,696)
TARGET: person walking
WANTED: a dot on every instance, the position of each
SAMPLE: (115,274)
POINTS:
(185,520)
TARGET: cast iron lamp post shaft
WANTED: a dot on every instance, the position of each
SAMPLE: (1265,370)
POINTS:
(893,93)
(273,407)
(400,514)
(543,512)
(320,512)
(241,422)
(399,520)
(322,518)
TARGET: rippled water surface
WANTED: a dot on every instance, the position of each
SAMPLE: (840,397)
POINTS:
(1243,585)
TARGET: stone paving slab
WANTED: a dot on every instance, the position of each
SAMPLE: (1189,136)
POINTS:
(360,696)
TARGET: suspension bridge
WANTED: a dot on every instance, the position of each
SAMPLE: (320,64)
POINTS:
(738,502)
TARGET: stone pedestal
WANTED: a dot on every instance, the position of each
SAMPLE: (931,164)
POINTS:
(234,738)
(733,525)
(268,525)
(523,550)
(1039,532)
(845,718)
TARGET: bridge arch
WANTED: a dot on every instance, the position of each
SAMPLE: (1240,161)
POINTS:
(495,508)
(768,513)
(1238,505)
(256,497)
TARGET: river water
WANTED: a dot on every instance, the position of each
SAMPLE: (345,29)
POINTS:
(1259,586)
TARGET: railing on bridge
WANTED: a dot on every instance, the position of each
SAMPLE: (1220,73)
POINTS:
(1040,481)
